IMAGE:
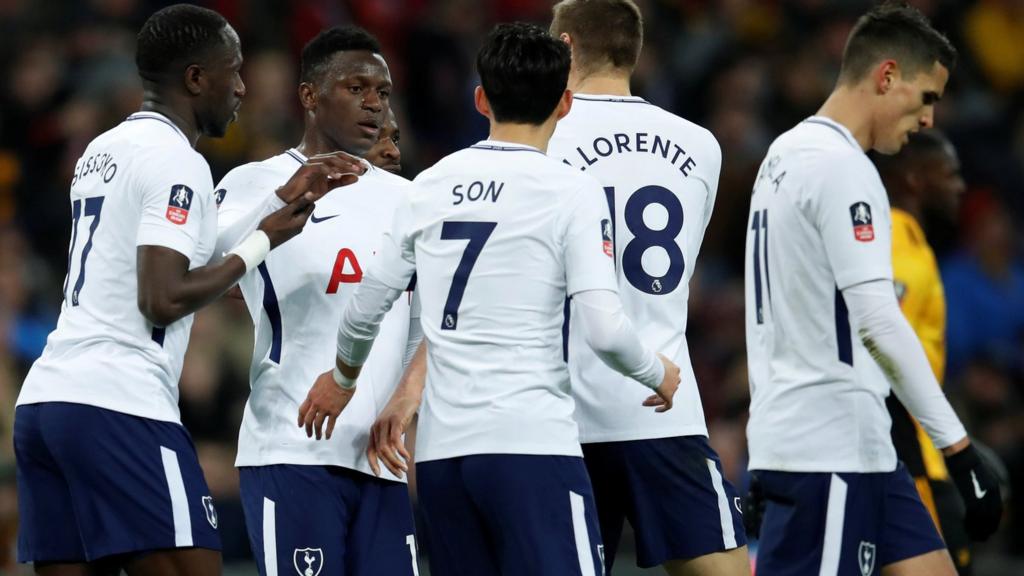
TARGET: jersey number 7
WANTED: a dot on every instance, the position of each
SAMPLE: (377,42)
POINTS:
(477,233)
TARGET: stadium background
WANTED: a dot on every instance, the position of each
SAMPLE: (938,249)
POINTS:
(747,69)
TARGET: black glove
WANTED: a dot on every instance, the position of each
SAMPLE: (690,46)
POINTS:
(753,507)
(980,491)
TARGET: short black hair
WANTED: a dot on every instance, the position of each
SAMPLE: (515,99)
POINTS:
(326,44)
(604,32)
(899,31)
(177,36)
(523,71)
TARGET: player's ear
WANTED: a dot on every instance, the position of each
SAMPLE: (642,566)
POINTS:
(483,106)
(307,96)
(885,75)
(194,79)
(564,37)
(565,104)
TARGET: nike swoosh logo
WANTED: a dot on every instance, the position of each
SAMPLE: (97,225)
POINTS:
(978,492)
(324,219)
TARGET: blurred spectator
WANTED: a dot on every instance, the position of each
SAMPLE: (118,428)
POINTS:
(984,287)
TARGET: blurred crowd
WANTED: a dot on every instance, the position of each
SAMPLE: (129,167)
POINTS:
(746,69)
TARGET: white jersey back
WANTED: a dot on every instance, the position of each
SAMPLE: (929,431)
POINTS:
(140,183)
(819,223)
(498,234)
(660,177)
(296,297)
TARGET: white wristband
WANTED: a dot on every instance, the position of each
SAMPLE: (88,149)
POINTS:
(344,382)
(253,250)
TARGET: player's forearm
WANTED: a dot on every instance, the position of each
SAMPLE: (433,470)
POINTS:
(414,343)
(168,291)
(360,322)
(233,228)
(414,379)
(892,343)
(610,335)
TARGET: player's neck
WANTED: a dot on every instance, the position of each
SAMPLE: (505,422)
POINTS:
(911,206)
(533,135)
(154,102)
(609,83)
(846,106)
(314,142)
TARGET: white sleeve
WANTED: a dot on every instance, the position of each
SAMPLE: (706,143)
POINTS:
(244,202)
(387,277)
(610,335)
(876,316)
(173,205)
(360,322)
(415,329)
(851,212)
(589,254)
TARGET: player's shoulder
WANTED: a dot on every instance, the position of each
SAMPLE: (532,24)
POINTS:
(379,175)
(821,149)
(262,173)
(148,134)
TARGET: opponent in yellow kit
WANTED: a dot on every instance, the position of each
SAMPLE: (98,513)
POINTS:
(924,178)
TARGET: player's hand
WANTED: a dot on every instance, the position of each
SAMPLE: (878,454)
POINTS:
(286,223)
(663,395)
(324,402)
(753,507)
(980,490)
(386,443)
(321,174)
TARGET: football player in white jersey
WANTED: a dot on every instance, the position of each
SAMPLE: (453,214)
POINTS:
(107,476)
(308,504)
(820,302)
(498,234)
(660,178)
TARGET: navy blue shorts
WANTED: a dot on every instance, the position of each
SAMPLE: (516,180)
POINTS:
(511,515)
(94,483)
(672,492)
(327,520)
(846,524)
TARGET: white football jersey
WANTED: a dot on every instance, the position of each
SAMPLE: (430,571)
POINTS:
(498,234)
(660,178)
(140,183)
(819,223)
(296,297)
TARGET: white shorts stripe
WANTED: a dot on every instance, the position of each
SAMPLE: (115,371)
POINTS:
(834,519)
(270,536)
(724,513)
(579,529)
(179,499)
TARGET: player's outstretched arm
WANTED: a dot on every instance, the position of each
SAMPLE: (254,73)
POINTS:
(169,291)
(386,443)
(891,341)
(610,335)
(318,176)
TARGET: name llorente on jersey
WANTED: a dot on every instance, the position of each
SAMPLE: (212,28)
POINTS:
(637,142)
(477,191)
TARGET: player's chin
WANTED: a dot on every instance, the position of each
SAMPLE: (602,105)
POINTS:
(217,129)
